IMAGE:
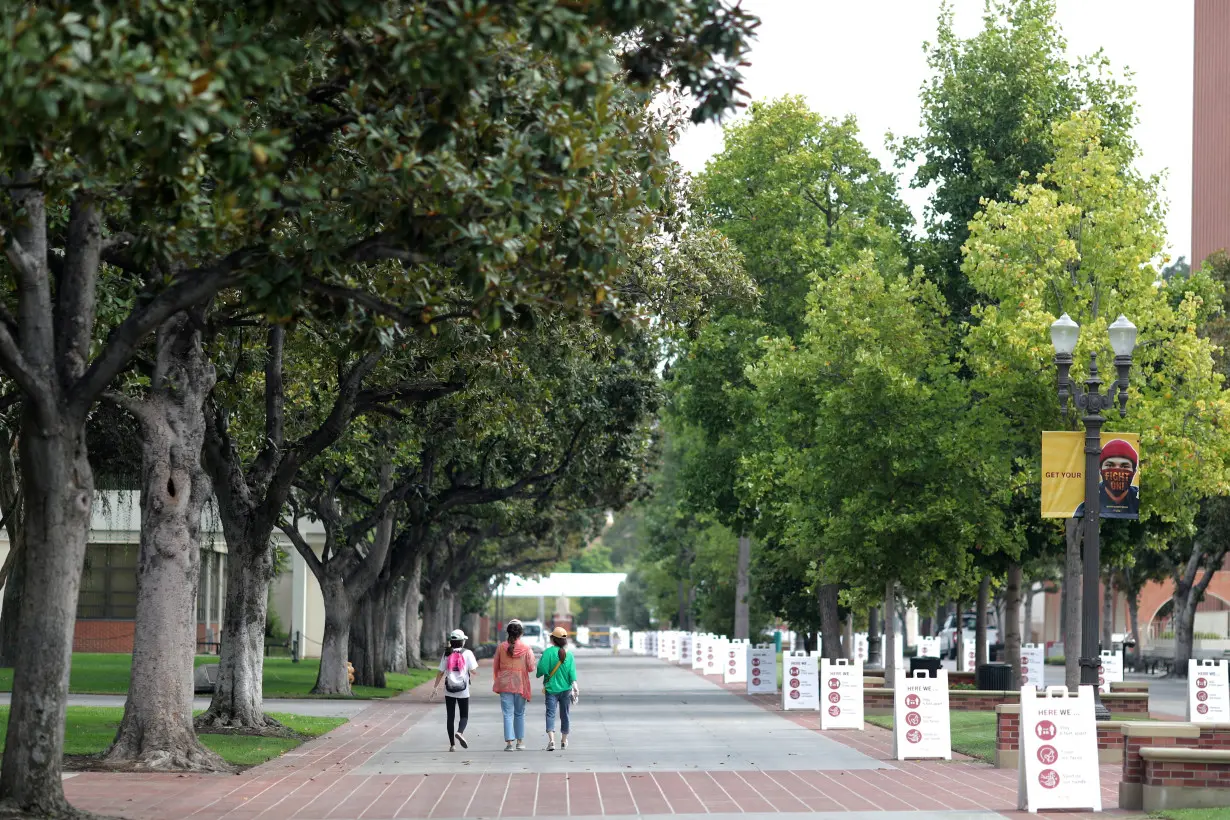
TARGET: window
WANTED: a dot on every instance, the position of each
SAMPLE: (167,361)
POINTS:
(109,583)
(204,590)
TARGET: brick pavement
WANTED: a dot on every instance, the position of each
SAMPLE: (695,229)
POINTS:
(321,780)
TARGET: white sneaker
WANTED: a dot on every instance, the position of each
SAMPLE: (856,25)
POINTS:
(508,746)
(563,744)
(520,745)
(550,745)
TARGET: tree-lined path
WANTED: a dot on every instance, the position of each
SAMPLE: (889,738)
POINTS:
(650,739)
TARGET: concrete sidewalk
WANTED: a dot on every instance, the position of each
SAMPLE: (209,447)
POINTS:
(650,739)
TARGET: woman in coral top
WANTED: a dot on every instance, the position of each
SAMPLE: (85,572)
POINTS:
(514,663)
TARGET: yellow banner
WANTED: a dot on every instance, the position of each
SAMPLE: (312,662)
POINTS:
(1063,475)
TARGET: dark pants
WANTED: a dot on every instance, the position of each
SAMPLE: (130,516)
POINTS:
(452,706)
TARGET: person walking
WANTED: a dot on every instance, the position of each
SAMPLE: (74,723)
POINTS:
(457,671)
(511,680)
(558,669)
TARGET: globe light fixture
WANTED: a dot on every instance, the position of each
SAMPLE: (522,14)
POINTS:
(1064,333)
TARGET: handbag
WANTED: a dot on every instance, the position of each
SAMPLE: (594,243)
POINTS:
(548,678)
(576,693)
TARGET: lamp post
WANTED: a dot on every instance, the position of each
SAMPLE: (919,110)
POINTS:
(1092,402)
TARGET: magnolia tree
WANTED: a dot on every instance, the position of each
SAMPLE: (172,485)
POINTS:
(1082,239)
(278,149)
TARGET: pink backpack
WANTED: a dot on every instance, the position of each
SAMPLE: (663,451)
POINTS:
(455,678)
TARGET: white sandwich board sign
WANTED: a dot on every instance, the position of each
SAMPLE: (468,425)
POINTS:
(734,670)
(921,729)
(762,670)
(638,643)
(1111,670)
(841,694)
(1208,692)
(699,644)
(1033,669)
(928,647)
(715,656)
(969,650)
(800,681)
(861,651)
(685,647)
(1059,751)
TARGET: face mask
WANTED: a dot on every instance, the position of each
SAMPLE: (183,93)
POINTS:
(1117,481)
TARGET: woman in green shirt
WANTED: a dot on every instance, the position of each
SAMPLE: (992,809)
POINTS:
(559,671)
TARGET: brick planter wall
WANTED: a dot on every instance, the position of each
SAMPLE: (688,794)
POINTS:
(1008,738)
(1187,773)
(1176,777)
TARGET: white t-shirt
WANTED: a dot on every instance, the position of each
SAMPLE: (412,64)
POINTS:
(471,665)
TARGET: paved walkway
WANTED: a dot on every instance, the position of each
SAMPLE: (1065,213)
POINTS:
(649,739)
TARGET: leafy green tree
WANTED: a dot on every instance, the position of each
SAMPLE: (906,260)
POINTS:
(987,112)
(1081,239)
(873,458)
(277,148)
(798,195)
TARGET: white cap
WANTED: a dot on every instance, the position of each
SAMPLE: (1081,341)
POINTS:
(456,635)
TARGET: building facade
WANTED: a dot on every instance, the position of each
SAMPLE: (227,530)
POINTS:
(106,607)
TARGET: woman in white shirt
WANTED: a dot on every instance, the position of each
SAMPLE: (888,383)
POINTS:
(456,670)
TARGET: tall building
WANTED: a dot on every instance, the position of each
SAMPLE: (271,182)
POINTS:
(1211,130)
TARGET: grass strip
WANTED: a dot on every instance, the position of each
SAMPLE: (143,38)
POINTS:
(95,673)
(90,730)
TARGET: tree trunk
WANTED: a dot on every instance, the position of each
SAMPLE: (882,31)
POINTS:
(395,629)
(238,700)
(156,733)
(1133,608)
(980,621)
(830,622)
(1027,625)
(59,488)
(1108,613)
(874,655)
(12,508)
(414,619)
(1184,616)
(1072,605)
(366,640)
(435,606)
(743,588)
(1012,623)
(890,633)
(332,677)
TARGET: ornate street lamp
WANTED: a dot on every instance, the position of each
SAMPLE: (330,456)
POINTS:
(1092,402)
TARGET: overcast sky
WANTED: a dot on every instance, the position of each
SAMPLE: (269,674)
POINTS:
(865,57)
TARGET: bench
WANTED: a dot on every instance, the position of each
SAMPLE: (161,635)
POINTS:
(1184,778)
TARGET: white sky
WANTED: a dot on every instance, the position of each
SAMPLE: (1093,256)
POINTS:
(865,57)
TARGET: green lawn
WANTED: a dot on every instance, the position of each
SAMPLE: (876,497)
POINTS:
(89,730)
(1195,814)
(108,674)
(973,733)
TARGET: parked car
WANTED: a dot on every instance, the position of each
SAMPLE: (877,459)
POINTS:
(949,639)
(534,636)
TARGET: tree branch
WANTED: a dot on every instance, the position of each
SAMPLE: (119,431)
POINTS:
(275,400)
(188,289)
(304,549)
(76,289)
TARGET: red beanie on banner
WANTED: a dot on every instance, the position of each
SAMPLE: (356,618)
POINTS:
(1118,448)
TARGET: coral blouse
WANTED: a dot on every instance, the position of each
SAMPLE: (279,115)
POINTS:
(513,674)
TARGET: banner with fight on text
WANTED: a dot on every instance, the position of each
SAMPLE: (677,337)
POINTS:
(1063,475)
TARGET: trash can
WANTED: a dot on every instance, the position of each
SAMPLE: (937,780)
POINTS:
(932,665)
(996,651)
(777,640)
(993,677)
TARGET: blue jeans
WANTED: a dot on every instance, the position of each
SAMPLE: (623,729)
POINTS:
(564,701)
(513,707)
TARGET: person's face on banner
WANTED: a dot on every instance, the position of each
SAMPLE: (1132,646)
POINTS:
(1117,476)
